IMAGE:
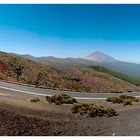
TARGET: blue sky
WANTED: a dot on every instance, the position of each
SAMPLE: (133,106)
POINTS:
(71,30)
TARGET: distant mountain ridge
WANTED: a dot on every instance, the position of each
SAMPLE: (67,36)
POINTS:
(51,60)
(96,58)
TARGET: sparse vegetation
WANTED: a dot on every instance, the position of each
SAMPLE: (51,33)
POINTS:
(60,99)
(34,99)
(132,80)
(16,69)
(127,102)
(114,100)
(123,99)
(93,110)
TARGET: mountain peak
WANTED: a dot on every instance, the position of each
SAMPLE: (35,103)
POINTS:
(100,57)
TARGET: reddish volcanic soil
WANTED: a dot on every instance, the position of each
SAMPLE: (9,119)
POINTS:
(3,65)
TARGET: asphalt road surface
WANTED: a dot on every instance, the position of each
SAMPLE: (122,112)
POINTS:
(47,92)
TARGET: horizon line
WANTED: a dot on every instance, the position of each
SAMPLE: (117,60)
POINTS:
(138,63)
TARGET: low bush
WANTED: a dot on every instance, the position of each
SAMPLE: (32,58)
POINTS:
(34,99)
(114,100)
(60,99)
(123,99)
(127,102)
(93,110)
(136,100)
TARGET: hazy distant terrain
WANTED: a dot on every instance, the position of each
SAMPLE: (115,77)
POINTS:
(97,58)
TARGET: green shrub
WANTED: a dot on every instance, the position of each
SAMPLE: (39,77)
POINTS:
(58,102)
(93,110)
(114,99)
(50,99)
(136,100)
(123,99)
(34,99)
(60,99)
(111,112)
(127,102)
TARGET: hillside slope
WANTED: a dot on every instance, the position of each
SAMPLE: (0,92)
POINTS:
(97,58)
(127,68)
(21,70)
(74,78)
(132,80)
(98,81)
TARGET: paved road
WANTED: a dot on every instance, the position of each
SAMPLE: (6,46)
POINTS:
(44,92)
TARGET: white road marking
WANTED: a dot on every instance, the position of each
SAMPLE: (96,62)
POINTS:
(28,92)
(137,96)
(90,98)
(23,91)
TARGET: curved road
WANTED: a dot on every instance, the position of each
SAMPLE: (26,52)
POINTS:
(47,92)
